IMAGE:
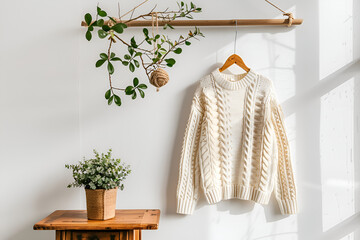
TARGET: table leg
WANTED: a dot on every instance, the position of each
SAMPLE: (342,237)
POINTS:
(62,235)
(137,234)
(134,234)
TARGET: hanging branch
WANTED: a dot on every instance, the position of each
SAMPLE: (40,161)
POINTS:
(150,59)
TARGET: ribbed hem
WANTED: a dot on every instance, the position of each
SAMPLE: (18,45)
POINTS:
(185,206)
(232,81)
(288,206)
(237,191)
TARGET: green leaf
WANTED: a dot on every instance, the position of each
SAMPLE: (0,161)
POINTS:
(178,50)
(131,67)
(138,54)
(134,95)
(135,81)
(108,94)
(110,100)
(182,4)
(114,21)
(115,59)
(187,43)
(142,94)
(112,55)
(102,34)
(106,28)
(88,35)
(136,62)
(110,68)
(118,28)
(100,22)
(155,60)
(131,50)
(101,13)
(157,36)
(88,19)
(170,62)
(92,185)
(117,100)
(133,42)
(90,28)
(146,32)
(125,63)
(142,86)
(129,90)
(127,56)
(100,62)
(192,5)
(103,56)
(170,26)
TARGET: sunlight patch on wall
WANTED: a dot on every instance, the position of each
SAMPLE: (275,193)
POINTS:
(336,35)
(336,154)
(349,237)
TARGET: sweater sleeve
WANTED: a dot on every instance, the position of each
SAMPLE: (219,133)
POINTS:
(285,191)
(189,172)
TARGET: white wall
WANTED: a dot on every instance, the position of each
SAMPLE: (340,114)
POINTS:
(53,111)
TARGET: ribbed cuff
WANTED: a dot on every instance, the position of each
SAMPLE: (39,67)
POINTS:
(185,206)
(288,206)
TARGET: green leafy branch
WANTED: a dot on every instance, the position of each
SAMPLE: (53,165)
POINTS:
(151,52)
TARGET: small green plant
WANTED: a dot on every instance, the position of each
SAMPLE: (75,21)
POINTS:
(101,172)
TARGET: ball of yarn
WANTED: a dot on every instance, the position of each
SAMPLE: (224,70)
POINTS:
(159,78)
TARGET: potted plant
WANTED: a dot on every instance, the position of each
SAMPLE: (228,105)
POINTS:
(101,176)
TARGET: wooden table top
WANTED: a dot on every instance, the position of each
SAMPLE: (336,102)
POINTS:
(77,220)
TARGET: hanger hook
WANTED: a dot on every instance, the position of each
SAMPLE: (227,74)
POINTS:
(235,36)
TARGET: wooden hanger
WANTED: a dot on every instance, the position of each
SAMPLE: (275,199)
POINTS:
(234,59)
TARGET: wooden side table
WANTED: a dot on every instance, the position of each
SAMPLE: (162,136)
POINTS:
(74,225)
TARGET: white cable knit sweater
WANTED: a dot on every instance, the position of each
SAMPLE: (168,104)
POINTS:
(235,144)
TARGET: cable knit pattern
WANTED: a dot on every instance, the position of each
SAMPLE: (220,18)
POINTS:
(224,132)
(261,162)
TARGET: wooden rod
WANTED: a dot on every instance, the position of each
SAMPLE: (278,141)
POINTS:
(229,22)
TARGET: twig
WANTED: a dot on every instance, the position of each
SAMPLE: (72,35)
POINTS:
(110,81)
(111,87)
(133,9)
(130,45)
(119,11)
(132,13)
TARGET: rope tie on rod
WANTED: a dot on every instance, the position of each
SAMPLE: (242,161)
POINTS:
(289,15)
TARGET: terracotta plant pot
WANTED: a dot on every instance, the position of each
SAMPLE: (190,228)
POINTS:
(100,203)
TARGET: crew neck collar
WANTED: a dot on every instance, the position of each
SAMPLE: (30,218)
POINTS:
(234,81)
